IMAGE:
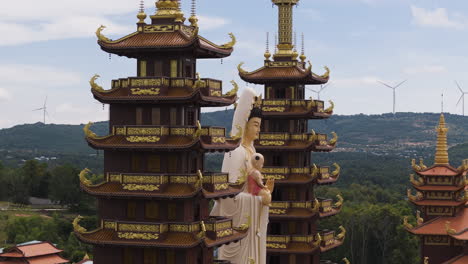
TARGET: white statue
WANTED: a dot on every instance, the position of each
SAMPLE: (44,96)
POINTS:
(245,207)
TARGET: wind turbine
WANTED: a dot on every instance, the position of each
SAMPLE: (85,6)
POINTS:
(462,98)
(44,109)
(394,92)
(322,87)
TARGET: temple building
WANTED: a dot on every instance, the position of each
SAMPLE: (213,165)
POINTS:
(154,200)
(441,199)
(35,252)
(286,143)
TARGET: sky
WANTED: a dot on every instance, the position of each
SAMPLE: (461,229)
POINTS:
(48,49)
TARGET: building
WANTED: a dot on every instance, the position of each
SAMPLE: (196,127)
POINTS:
(35,252)
(154,202)
(293,236)
(441,200)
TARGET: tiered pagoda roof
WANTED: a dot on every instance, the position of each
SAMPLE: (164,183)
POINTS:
(443,203)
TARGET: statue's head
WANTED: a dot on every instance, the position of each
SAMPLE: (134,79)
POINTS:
(252,127)
(257,161)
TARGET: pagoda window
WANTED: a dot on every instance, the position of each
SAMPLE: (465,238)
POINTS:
(292,159)
(190,116)
(150,256)
(154,163)
(300,92)
(292,227)
(139,116)
(131,210)
(128,255)
(172,164)
(173,116)
(152,210)
(136,162)
(172,211)
(174,68)
(280,92)
(276,160)
(158,68)
(292,194)
(142,68)
(155,116)
(182,115)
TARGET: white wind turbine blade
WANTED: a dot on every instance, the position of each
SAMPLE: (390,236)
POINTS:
(400,84)
(386,85)
(458,85)
(459,100)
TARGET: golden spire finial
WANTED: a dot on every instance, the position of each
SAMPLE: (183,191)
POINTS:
(267,51)
(441,156)
(169,9)
(193,17)
(285,26)
(86,257)
(141,14)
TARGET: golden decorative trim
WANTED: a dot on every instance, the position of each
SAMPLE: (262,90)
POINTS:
(426,260)
(230,44)
(273,109)
(245,226)
(333,141)
(83,178)
(419,219)
(95,86)
(147,139)
(239,68)
(158,28)
(341,236)
(418,182)
(143,91)
(137,187)
(406,224)
(218,140)
(329,110)
(449,229)
(437,240)
(337,170)
(415,166)
(346,261)
(275,245)
(220,187)
(272,143)
(215,93)
(234,90)
(224,233)
(340,201)
(76,225)
(141,236)
(100,36)
(277,211)
(326,75)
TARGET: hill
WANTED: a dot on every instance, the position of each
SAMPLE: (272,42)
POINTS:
(405,135)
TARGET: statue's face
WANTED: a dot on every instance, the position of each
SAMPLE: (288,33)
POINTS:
(252,129)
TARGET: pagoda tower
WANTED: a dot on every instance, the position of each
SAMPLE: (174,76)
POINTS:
(441,199)
(154,200)
(293,236)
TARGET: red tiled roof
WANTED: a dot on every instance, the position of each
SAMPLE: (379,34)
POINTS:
(49,259)
(436,226)
(439,170)
(268,74)
(461,259)
(32,250)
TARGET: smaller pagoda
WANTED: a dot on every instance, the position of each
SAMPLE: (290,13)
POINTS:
(35,253)
(441,199)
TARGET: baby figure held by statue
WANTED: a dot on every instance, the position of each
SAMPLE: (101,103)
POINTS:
(255,184)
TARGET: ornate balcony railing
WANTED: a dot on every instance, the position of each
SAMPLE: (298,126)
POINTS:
(281,139)
(282,241)
(330,239)
(321,173)
(287,105)
(162,86)
(325,207)
(153,134)
(212,182)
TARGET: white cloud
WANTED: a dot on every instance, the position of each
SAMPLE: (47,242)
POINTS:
(4,95)
(425,69)
(438,17)
(37,75)
(211,22)
(356,82)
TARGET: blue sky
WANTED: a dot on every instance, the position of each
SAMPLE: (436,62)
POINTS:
(48,48)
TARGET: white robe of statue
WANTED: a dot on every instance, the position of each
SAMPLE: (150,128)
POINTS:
(240,209)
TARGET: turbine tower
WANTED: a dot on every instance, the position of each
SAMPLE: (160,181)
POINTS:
(322,87)
(394,93)
(44,109)
(462,98)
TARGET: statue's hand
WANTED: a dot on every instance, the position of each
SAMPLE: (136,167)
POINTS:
(270,184)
